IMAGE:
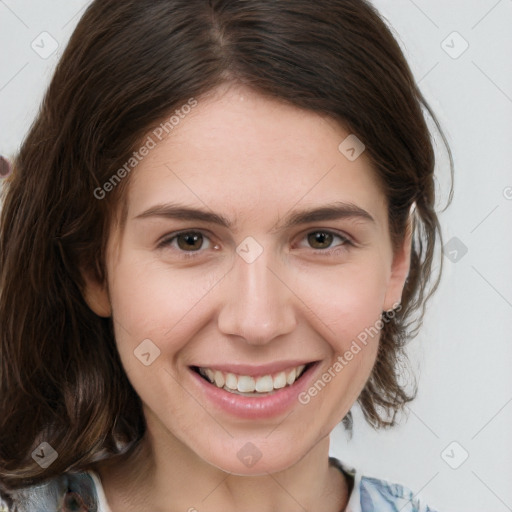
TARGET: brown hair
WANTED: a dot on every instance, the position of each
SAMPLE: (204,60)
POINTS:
(127,66)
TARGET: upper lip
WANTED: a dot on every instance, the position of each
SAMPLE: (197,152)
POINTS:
(256,370)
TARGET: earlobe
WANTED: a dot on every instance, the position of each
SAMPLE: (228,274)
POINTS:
(96,296)
(400,267)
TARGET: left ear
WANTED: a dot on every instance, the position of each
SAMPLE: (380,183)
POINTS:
(400,268)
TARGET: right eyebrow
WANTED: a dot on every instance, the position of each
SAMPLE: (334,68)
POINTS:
(174,211)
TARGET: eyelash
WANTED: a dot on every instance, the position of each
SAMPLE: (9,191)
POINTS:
(166,242)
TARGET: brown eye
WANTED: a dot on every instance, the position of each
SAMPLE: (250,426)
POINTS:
(190,241)
(73,502)
(322,238)
(187,244)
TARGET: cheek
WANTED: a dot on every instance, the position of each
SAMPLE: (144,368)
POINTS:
(149,297)
(150,301)
(350,302)
(350,319)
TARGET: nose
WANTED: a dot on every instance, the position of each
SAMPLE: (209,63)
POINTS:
(258,303)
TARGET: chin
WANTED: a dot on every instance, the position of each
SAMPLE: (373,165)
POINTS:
(256,458)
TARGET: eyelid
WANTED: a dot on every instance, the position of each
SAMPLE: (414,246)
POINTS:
(330,231)
(346,240)
(166,241)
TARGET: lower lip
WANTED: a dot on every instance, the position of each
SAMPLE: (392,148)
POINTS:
(258,407)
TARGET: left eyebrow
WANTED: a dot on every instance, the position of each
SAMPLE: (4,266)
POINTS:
(334,211)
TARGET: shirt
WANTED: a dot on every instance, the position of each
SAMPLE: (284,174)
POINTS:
(83,492)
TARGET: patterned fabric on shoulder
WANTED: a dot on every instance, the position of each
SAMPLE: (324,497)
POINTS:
(71,492)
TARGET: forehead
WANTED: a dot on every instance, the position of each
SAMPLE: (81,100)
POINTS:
(238,151)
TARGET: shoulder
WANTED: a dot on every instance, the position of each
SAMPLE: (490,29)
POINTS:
(66,493)
(370,494)
(381,495)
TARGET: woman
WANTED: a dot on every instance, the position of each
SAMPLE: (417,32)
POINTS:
(213,242)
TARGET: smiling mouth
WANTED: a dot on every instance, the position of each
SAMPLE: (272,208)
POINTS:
(252,386)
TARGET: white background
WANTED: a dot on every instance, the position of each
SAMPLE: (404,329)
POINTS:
(463,354)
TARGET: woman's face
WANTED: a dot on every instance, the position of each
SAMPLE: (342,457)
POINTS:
(253,247)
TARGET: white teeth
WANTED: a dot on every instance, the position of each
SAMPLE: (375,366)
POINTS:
(218,379)
(290,377)
(247,384)
(231,381)
(280,380)
(264,384)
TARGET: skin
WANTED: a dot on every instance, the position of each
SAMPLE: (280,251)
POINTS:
(253,160)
